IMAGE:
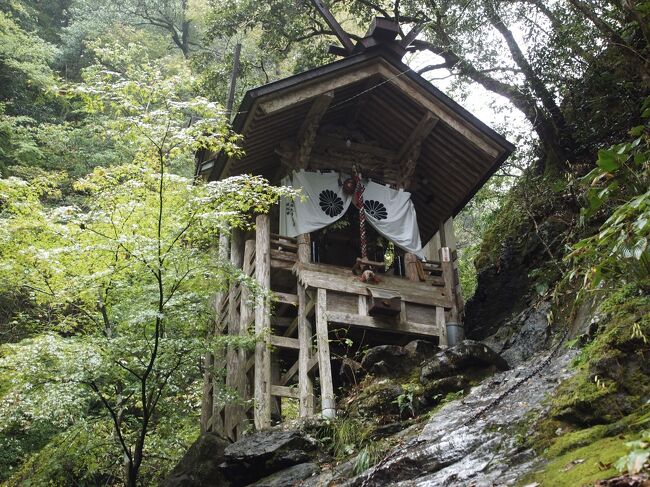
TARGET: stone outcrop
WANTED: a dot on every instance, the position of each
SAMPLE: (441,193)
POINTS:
(465,357)
(394,360)
(261,454)
(273,458)
(200,466)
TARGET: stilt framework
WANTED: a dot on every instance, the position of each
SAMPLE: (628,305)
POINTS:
(293,319)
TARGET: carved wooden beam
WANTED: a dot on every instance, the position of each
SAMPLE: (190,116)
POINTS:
(332,143)
(307,132)
(410,151)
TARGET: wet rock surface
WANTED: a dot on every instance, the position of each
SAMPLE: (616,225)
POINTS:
(522,336)
(453,451)
(289,477)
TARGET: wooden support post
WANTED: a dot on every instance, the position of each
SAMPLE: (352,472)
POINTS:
(246,318)
(449,276)
(328,402)
(276,374)
(216,422)
(262,324)
(233,409)
(211,419)
(448,239)
(207,399)
(305,332)
(441,324)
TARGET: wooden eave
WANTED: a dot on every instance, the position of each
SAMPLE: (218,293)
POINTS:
(456,155)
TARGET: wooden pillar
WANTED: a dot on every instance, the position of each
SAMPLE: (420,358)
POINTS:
(207,399)
(262,324)
(328,403)
(448,239)
(210,407)
(441,324)
(305,332)
(233,409)
(246,319)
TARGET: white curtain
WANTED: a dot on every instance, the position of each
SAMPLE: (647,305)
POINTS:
(390,212)
(323,202)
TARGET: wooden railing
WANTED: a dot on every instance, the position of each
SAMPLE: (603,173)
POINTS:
(284,251)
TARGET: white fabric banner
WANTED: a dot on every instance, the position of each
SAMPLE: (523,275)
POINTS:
(324,203)
(392,214)
(389,211)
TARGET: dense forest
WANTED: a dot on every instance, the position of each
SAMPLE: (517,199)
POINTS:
(107,243)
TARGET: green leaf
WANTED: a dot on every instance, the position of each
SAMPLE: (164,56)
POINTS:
(607,160)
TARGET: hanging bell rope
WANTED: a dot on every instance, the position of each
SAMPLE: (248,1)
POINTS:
(358,202)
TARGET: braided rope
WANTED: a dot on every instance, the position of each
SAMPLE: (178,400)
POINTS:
(358,201)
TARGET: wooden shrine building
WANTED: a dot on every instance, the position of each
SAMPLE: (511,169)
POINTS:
(365,118)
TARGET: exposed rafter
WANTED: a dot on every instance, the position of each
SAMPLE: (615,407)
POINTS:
(307,132)
(410,151)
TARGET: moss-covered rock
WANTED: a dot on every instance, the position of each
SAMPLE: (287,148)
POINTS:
(606,403)
(581,466)
(613,378)
(374,399)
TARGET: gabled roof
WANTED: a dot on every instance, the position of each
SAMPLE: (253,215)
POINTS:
(388,100)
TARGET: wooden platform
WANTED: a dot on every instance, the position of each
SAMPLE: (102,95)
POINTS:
(294,331)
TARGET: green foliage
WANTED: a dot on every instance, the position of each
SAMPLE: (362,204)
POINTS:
(345,436)
(123,278)
(618,186)
(24,62)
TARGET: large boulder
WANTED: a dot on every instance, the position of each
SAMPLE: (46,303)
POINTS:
(377,400)
(199,467)
(433,392)
(386,361)
(264,453)
(396,361)
(467,356)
